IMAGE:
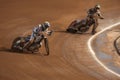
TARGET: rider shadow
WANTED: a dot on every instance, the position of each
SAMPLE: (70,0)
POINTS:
(4,49)
(62,31)
(86,33)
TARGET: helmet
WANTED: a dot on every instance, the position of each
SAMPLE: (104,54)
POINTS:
(39,25)
(46,25)
(97,6)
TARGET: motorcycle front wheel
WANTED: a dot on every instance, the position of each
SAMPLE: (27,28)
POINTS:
(46,46)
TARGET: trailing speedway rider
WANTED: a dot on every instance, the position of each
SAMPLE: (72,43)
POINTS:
(38,30)
(91,14)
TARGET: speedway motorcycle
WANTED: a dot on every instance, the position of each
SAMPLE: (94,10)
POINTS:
(76,26)
(19,42)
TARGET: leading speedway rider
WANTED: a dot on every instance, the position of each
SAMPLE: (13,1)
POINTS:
(39,30)
(91,14)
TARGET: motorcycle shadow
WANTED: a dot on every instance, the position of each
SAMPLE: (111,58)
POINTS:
(4,49)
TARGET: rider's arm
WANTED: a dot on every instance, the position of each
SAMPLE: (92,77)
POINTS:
(48,32)
(45,33)
(95,25)
(99,14)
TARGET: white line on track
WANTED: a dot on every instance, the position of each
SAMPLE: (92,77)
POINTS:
(89,43)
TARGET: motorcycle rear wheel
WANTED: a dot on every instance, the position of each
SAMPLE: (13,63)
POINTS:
(71,30)
(13,48)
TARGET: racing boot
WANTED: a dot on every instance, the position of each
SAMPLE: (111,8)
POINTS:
(93,32)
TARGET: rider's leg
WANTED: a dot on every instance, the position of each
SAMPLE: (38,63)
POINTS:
(94,30)
(29,42)
(94,27)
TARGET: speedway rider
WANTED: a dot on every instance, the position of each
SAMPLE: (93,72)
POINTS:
(91,14)
(38,30)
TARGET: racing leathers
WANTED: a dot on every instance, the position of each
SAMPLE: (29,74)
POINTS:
(94,14)
(37,31)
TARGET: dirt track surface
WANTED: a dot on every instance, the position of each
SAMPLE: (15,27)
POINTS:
(69,57)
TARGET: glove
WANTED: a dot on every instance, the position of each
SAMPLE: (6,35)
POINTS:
(50,32)
(102,18)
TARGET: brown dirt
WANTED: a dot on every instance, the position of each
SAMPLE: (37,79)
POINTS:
(69,56)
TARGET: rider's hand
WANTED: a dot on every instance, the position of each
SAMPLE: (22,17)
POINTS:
(102,18)
(50,32)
